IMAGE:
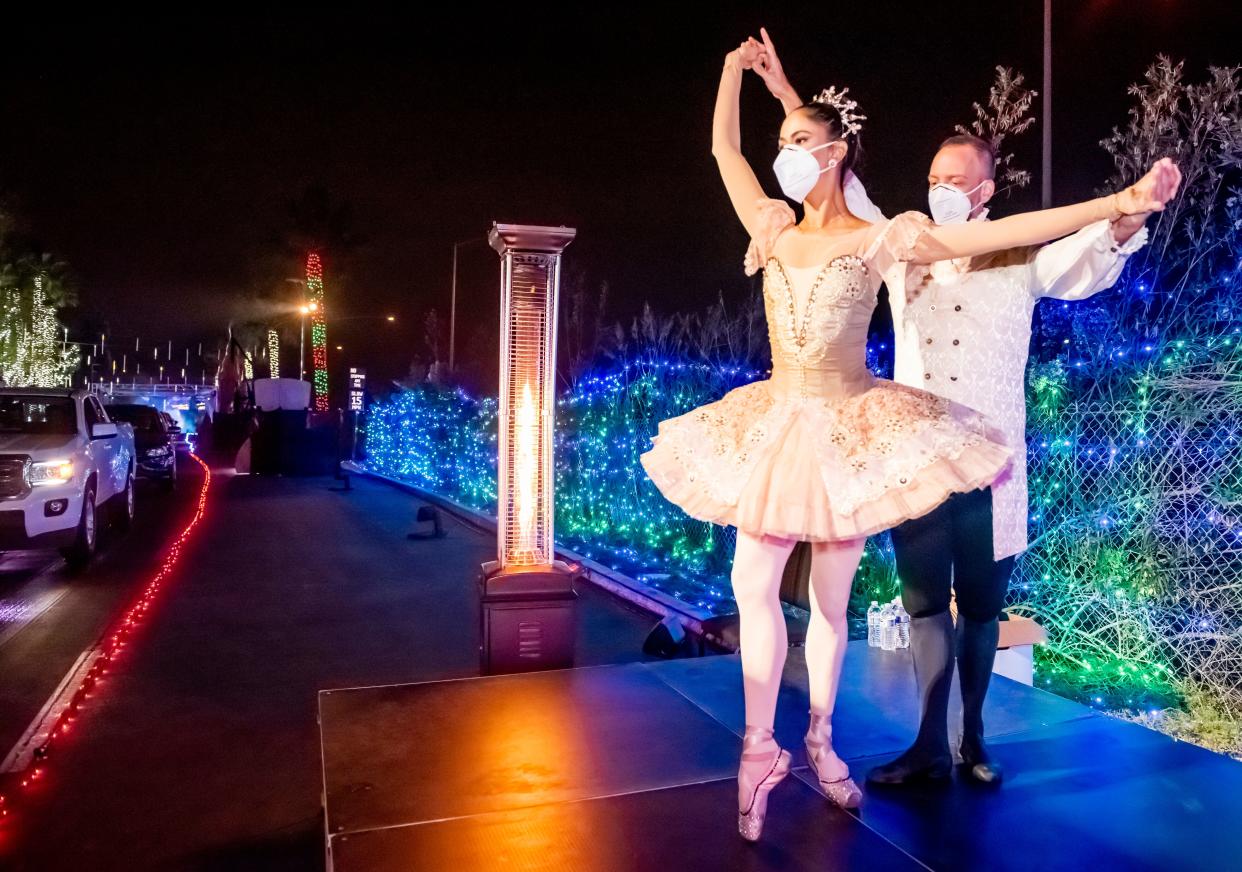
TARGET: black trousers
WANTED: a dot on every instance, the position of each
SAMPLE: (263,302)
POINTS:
(947,549)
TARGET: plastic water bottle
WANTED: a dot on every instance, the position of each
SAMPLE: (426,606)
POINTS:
(888,631)
(903,627)
(873,625)
(901,624)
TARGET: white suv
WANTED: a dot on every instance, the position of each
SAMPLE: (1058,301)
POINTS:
(60,459)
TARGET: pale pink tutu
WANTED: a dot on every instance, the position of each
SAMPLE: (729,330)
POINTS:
(821,469)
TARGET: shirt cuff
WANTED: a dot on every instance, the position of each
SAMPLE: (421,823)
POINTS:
(1127,248)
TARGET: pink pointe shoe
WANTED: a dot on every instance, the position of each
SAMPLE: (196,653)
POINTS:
(833,774)
(764,765)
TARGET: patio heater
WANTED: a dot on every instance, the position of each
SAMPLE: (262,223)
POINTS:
(527,594)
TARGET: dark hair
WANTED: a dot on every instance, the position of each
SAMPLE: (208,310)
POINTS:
(982,146)
(831,118)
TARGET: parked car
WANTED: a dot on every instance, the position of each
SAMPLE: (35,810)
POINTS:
(154,441)
(180,439)
(61,458)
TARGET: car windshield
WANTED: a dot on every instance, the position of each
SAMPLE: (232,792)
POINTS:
(38,415)
(144,418)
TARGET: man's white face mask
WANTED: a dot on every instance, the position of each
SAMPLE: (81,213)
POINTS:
(950,205)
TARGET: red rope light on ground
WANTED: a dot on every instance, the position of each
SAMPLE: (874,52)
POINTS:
(105,652)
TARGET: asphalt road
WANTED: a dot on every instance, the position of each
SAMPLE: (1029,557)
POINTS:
(202,748)
(50,615)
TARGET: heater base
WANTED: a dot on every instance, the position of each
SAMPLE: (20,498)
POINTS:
(527,618)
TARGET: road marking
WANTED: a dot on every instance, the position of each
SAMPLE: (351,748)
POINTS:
(36,735)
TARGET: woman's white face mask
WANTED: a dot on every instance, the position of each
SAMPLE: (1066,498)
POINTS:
(797,170)
(950,205)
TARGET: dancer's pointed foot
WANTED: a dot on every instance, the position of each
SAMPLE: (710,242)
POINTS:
(979,762)
(913,766)
(833,774)
(764,765)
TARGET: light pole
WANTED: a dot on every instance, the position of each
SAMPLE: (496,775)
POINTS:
(304,310)
(1046,172)
(453,306)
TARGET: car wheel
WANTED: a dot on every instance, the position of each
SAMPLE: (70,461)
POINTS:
(125,510)
(82,550)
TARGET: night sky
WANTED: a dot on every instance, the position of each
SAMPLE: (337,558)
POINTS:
(157,155)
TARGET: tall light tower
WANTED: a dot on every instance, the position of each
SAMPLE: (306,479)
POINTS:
(319,330)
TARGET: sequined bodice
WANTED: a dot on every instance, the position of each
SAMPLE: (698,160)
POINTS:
(817,325)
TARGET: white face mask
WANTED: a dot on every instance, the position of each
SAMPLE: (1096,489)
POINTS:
(950,205)
(797,170)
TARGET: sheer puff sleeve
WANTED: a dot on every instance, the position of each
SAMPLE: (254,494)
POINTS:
(900,248)
(774,217)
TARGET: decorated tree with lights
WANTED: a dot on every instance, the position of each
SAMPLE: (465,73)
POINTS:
(32,350)
(273,353)
(320,227)
(319,330)
(287,272)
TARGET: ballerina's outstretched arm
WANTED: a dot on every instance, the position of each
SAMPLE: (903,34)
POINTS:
(944,242)
(740,181)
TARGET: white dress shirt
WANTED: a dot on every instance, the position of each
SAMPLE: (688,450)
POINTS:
(966,335)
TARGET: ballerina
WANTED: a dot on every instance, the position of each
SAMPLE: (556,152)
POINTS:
(966,337)
(823,451)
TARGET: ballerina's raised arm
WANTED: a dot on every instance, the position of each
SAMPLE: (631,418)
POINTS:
(740,181)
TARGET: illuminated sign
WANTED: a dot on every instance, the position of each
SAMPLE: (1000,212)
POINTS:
(357,388)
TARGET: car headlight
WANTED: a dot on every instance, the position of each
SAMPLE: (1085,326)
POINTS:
(157,451)
(51,472)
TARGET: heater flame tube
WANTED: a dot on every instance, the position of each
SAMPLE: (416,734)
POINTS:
(526,473)
(530,279)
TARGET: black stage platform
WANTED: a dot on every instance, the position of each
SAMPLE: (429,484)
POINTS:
(632,768)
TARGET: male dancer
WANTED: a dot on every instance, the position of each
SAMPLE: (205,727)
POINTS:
(964,335)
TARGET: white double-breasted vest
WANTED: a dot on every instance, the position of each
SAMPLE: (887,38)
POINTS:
(965,335)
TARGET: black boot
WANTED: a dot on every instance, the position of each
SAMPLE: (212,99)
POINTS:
(976,652)
(931,646)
